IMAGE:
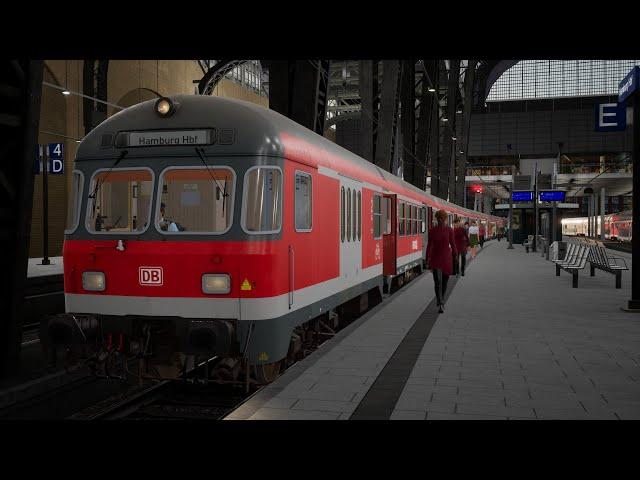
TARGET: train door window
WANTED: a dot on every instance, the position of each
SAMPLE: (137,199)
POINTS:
(120,201)
(74,201)
(348,214)
(387,215)
(377,216)
(304,194)
(401,220)
(359,223)
(342,214)
(423,216)
(262,202)
(354,215)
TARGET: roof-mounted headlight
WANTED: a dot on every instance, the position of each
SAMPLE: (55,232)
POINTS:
(165,107)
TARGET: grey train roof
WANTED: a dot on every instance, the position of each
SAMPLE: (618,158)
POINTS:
(256,129)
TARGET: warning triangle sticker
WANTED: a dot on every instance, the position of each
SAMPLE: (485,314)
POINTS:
(245,285)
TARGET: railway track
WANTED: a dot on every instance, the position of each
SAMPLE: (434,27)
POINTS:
(187,399)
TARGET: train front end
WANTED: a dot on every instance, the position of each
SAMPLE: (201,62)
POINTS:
(160,256)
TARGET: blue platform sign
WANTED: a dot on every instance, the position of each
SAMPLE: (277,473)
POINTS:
(611,117)
(629,84)
(552,195)
(55,159)
(522,196)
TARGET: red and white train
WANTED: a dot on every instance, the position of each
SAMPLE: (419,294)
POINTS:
(204,226)
(617,226)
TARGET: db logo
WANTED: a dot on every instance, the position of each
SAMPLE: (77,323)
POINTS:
(150,275)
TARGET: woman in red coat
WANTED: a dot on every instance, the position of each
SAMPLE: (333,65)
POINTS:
(461,238)
(440,251)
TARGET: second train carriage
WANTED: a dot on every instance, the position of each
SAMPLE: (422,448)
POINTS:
(209,226)
(617,226)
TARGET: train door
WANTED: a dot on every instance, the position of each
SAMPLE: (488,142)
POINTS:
(389,235)
(350,230)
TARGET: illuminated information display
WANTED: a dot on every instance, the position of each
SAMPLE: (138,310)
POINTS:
(526,196)
(552,195)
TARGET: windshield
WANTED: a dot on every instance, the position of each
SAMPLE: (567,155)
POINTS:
(122,201)
(196,200)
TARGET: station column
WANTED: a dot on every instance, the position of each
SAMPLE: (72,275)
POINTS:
(628,89)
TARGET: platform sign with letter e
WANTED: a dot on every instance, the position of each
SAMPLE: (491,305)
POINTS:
(611,117)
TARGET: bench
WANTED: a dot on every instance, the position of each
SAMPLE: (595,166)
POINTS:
(598,258)
(575,259)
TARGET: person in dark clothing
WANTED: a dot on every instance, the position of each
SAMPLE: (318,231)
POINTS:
(440,252)
(461,238)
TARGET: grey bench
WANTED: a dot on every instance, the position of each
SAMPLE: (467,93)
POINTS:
(598,258)
(576,259)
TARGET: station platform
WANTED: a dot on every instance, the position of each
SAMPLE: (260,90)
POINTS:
(515,342)
(36,269)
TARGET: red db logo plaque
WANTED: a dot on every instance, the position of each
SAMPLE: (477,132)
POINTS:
(150,276)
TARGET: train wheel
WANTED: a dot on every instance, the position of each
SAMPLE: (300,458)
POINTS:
(267,373)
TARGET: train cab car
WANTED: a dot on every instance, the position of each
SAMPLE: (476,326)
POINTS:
(204,226)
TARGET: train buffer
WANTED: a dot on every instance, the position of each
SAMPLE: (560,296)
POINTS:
(499,351)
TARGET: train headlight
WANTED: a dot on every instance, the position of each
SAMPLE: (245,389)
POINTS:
(93,281)
(165,107)
(216,283)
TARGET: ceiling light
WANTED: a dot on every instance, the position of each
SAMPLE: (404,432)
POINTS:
(431,89)
(458,111)
(453,138)
(445,119)
(66,92)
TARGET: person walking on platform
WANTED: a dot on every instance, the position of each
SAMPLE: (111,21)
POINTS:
(473,238)
(441,249)
(461,237)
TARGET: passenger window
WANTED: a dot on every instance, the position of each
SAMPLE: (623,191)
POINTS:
(359,215)
(387,216)
(73,202)
(262,211)
(401,219)
(414,220)
(377,216)
(304,194)
(342,214)
(354,215)
(348,214)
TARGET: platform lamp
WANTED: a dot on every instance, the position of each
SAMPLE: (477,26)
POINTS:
(66,81)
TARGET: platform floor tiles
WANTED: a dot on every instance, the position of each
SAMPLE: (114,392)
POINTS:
(515,342)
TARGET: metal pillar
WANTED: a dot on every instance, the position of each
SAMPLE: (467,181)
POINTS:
(634,302)
(602,208)
(434,140)
(407,122)
(388,112)
(447,167)
(45,205)
(513,176)
(21,83)
(368,82)
(535,209)
(297,89)
(461,168)
(422,132)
